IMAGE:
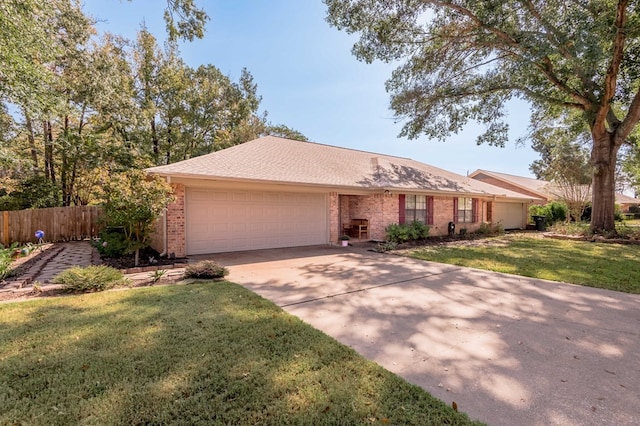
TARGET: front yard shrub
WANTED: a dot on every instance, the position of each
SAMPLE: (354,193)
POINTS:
(90,278)
(206,269)
(571,228)
(111,244)
(386,246)
(6,257)
(490,229)
(401,233)
(555,211)
(5,263)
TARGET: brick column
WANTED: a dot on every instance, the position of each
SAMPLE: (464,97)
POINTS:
(176,230)
(334,217)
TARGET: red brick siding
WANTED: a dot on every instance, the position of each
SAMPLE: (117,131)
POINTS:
(176,231)
(334,216)
(383,210)
(443,213)
(378,209)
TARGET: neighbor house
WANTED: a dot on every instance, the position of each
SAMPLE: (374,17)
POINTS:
(274,192)
(541,189)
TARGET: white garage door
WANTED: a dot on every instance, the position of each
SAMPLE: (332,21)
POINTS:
(511,215)
(220,221)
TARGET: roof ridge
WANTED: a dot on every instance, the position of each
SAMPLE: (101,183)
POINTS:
(379,154)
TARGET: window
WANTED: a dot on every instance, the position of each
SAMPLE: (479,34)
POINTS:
(464,210)
(416,207)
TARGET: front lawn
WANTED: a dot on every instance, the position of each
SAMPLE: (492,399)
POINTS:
(207,353)
(611,266)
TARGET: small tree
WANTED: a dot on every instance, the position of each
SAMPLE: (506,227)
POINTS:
(565,163)
(133,202)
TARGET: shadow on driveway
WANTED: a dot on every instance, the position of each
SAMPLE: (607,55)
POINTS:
(507,349)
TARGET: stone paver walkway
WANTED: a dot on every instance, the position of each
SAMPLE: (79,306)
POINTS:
(49,263)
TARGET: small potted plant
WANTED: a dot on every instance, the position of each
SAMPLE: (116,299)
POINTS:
(345,240)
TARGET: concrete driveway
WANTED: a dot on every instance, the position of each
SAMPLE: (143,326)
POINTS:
(508,350)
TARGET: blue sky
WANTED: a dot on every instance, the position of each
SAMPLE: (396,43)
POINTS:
(310,81)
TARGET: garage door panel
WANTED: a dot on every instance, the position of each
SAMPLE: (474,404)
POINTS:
(510,215)
(219,220)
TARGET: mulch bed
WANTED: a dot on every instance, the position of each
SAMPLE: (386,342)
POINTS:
(149,260)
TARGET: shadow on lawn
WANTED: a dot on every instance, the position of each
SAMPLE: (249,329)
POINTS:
(204,353)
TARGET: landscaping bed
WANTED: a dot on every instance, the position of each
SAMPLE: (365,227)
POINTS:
(150,260)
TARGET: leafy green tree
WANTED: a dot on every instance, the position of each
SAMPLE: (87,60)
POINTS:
(184,20)
(133,202)
(564,163)
(463,60)
(28,44)
(631,168)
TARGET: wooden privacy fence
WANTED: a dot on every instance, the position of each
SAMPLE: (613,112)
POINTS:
(58,224)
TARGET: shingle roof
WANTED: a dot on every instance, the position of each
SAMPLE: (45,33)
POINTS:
(625,199)
(278,160)
(542,187)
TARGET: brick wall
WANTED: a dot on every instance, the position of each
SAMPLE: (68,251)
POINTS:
(382,210)
(176,231)
(378,209)
(442,215)
(334,216)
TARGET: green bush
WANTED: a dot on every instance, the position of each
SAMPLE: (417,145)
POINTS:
(206,269)
(416,230)
(555,211)
(558,211)
(90,278)
(386,246)
(489,229)
(6,259)
(112,244)
(5,263)
(571,228)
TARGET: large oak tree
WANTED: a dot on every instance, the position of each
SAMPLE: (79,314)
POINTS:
(462,60)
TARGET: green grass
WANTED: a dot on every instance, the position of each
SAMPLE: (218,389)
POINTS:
(207,353)
(611,266)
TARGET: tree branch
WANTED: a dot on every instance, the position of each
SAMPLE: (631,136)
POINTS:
(631,120)
(546,67)
(611,77)
(556,41)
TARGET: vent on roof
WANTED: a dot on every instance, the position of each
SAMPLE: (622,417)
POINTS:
(374,164)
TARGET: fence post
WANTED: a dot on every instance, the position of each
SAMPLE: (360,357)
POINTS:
(5,228)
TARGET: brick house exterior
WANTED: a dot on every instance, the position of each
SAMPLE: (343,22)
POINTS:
(275,192)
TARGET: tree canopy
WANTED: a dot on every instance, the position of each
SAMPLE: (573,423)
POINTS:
(77,107)
(462,60)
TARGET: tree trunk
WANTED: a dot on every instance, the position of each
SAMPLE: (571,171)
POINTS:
(49,168)
(64,168)
(604,156)
(32,139)
(155,141)
(168,158)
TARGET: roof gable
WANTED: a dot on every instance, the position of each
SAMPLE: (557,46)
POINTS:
(541,187)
